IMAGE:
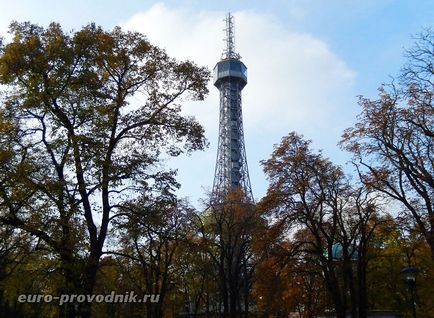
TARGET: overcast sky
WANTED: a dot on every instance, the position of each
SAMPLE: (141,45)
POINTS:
(307,61)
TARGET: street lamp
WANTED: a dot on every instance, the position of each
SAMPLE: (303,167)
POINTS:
(410,277)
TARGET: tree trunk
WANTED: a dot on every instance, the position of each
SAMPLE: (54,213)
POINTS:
(335,292)
(85,308)
(362,295)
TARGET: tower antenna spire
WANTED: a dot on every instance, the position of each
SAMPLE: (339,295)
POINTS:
(229,51)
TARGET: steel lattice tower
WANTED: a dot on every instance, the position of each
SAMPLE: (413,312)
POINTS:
(230,77)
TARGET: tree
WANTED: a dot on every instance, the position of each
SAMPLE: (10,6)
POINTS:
(152,234)
(394,248)
(227,233)
(15,248)
(284,282)
(196,279)
(393,140)
(75,147)
(333,221)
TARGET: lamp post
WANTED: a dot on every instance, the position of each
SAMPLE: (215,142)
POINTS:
(410,278)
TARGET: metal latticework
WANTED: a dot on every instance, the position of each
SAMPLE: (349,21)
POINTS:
(230,77)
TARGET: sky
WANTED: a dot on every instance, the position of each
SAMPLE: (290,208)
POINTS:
(308,61)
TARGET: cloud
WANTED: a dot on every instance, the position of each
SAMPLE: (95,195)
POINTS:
(295,81)
(292,76)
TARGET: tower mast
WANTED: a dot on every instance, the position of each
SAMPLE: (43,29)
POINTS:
(230,77)
(229,51)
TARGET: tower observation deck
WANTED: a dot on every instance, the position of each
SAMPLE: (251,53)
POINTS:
(230,77)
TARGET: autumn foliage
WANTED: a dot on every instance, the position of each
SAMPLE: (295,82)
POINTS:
(87,205)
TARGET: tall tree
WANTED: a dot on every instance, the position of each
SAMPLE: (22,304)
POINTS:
(332,219)
(393,140)
(81,145)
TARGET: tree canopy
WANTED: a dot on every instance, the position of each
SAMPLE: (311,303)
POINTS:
(87,205)
(85,119)
(393,140)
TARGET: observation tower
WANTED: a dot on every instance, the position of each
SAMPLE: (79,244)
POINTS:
(230,77)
